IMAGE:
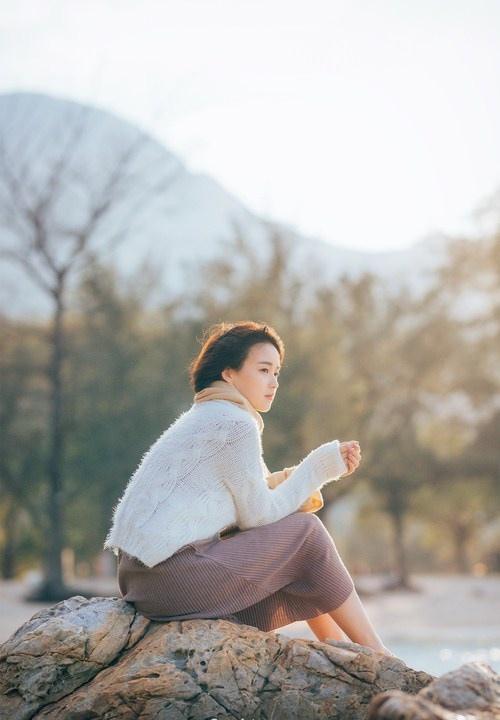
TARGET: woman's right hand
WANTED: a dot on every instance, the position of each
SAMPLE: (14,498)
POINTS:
(351,455)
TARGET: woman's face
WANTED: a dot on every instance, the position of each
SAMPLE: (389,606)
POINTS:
(257,379)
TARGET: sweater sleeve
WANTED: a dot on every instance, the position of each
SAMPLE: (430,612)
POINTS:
(244,474)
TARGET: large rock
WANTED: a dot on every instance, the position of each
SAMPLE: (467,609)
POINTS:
(98,658)
(471,691)
(62,648)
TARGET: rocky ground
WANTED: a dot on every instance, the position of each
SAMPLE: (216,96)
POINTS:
(98,658)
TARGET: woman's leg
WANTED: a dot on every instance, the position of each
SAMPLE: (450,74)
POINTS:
(352,618)
(324,626)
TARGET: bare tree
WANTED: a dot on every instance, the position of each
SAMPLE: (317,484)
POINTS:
(66,196)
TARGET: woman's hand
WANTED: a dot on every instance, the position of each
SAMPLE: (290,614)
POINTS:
(351,454)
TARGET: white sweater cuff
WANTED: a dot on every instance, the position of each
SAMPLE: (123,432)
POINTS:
(330,460)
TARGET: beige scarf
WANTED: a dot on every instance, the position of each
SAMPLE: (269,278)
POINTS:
(222,390)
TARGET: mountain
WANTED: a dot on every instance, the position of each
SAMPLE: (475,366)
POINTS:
(188,217)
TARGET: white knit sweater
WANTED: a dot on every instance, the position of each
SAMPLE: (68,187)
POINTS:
(204,473)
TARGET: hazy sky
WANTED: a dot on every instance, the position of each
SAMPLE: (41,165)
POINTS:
(368,124)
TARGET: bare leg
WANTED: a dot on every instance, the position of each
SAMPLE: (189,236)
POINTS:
(324,626)
(352,618)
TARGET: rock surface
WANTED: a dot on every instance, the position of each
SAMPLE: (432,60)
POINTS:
(471,691)
(98,658)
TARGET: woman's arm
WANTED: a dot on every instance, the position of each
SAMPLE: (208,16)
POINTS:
(313,503)
(244,473)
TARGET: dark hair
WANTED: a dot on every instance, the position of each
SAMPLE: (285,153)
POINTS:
(226,345)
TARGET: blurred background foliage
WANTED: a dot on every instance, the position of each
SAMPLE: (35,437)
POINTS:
(415,381)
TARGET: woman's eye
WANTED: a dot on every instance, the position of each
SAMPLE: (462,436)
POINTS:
(267,370)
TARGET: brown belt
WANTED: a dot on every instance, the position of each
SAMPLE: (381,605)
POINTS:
(227,532)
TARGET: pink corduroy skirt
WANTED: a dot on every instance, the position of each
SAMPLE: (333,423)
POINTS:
(267,576)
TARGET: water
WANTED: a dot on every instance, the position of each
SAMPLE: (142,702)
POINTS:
(441,657)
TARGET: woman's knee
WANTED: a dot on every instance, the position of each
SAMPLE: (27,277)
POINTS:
(305,523)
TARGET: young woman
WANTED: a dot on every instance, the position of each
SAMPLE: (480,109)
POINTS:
(204,530)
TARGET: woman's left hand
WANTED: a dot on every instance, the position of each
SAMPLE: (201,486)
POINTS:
(352,455)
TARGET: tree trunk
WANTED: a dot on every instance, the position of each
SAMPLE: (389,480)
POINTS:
(8,569)
(401,565)
(402,578)
(460,537)
(52,587)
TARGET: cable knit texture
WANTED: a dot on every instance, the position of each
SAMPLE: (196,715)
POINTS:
(224,390)
(204,473)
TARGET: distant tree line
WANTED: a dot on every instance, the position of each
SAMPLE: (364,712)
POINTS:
(361,363)
(83,395)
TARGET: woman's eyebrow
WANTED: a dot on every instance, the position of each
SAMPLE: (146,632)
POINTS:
(266,362)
